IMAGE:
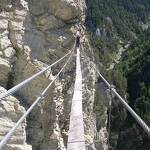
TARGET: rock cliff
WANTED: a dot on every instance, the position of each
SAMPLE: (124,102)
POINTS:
(34,34)
(10,112)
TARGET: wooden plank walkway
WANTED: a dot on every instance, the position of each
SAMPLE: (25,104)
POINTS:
(76,139)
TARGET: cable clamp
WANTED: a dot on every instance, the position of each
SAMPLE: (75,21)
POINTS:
(112,87)
(42,97)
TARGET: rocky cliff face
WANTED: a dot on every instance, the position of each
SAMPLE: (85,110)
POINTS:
(10,112)
(33,34)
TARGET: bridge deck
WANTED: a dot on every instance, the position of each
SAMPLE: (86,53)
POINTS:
(76,139)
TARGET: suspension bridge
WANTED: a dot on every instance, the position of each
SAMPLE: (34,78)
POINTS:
(76,140)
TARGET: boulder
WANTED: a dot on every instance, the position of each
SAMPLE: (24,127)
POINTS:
(65,9)
(9,52)
(10,112)
(4,71)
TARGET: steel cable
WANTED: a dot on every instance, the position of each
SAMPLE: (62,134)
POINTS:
(23,83)
(10,133)
(132,112)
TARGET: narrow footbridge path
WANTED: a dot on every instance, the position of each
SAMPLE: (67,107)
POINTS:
(76,130)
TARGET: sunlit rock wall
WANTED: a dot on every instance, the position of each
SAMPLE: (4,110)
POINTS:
(34,34)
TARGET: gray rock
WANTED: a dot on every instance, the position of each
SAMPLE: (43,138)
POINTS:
(4,71)
(9,52)
(10,112)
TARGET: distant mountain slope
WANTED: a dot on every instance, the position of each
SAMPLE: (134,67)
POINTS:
(136,68)
(112,24)
(123,15)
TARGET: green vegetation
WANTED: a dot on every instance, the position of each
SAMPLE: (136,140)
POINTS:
(120,16)
(136,68)
(119,21)
(104,49)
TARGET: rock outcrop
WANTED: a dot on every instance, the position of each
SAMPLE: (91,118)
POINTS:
(10,112)
(34,34)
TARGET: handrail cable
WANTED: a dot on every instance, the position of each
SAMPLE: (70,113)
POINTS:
(9,134)
(125,104)
(23,83)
